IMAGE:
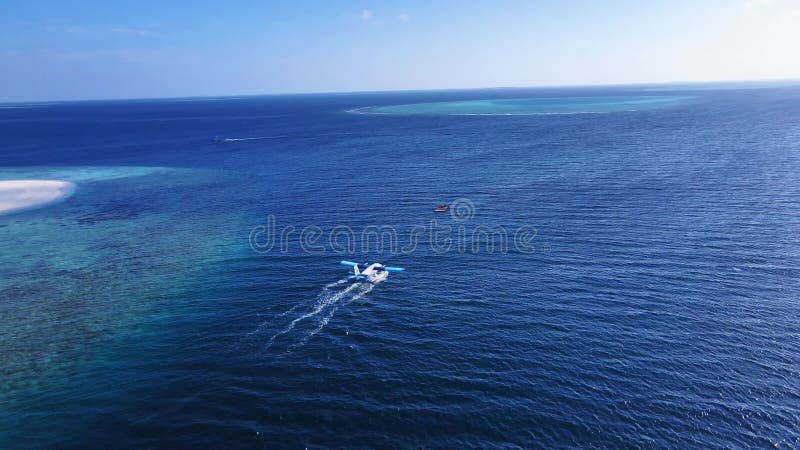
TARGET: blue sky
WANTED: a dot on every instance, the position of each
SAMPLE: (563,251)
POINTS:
(53,50)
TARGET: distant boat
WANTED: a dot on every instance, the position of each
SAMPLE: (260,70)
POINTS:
(218,140)
(441,208)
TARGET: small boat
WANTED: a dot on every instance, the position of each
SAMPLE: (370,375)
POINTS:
(441,208)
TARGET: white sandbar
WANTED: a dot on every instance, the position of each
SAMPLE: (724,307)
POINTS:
(19,195)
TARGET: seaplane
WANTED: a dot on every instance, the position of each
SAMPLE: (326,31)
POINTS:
(371,272)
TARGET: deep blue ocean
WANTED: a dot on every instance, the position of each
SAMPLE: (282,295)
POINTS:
(609,277)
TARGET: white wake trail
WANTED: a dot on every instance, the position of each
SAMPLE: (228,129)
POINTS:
(325,289)
(335,283)
(245,139)
(324,321)
(324,301)
(294,308)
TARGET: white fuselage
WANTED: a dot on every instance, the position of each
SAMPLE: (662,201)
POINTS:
(374,273)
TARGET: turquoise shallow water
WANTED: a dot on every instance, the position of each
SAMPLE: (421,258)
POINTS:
(81,277)
(531,106)
(658,307)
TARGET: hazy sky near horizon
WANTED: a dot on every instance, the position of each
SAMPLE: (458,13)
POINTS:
(93,49)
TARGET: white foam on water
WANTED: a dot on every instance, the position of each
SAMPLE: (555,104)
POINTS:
(336,283)
(325,299)
(325,289)
(294,308)
(258,138)
(324,321)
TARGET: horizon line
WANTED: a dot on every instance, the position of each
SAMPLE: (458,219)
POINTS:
(386,91)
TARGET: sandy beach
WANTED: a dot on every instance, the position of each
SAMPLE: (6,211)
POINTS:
(19,195)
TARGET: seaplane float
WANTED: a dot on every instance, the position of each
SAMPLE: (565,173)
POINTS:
(371,272)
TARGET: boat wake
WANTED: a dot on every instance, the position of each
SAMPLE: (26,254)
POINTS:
(244,139)
(306,320)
